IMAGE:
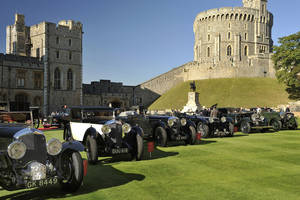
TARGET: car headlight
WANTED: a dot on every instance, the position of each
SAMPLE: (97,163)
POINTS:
(171,121)
(106,129)
(211,120)
(16,150)
(183,122)
(126,128)
(262,118)
(223,119)
(254,117)
(54,147)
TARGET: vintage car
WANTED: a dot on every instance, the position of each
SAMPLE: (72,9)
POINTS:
(220,126)
(56,119)
(27,160)
(288,120)
(102,134)
(251,121)
(162,128)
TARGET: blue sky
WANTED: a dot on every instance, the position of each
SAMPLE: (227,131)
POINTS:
(132,41)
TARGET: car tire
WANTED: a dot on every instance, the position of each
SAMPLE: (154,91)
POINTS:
(191,136)
(294,126)
(276,124)
(245,127)
(91,150)
(72,166)
(160,136)
(203,129)
(231,129)
(138,152)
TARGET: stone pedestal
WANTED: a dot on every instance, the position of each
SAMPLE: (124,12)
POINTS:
(193,103)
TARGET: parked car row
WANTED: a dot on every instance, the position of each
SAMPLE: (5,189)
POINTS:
(27,160)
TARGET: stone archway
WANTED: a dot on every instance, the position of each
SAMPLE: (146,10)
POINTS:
(116,103)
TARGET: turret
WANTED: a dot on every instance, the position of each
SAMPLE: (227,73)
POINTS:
(260,5)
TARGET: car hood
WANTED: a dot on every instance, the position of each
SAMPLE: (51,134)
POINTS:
(7,131)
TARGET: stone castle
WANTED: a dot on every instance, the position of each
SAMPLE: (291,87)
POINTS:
(43,62)
(43,65)
(229,42)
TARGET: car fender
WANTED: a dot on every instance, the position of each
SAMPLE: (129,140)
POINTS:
(138,130)
(92,132)
(72,145)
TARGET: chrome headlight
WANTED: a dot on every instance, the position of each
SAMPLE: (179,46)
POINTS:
(171,121)
(126,128)
(211,120)
(223,119)
(16,150)
(262,118)
(54,147)
(183,122)
(254,117)
(106,129)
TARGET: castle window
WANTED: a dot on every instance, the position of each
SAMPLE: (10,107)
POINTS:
(38,52)
(57,79)
(228,35)
(14,51)
(229,50)
(246,51)
(263,9)
(208,51)
(57,54)
(208,37)
(57,40)
(70,80)
(246,36)
(37,80)
(70,55)
(229,25)
(70,42)
(20,78)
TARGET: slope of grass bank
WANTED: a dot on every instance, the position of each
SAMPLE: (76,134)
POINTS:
(227,92)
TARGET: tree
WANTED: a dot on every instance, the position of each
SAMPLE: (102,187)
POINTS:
(286,59)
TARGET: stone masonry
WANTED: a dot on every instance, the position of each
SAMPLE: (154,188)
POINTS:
(229,43)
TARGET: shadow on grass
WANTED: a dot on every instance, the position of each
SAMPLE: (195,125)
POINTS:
(98,177)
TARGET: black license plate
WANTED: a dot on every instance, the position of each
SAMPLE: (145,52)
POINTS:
(181,137)
(119,151)
(41,183)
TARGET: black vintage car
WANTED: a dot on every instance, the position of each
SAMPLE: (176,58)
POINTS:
(102,134)
(27,160)
(251,121)
(212,126)
(162,128)
(288,120)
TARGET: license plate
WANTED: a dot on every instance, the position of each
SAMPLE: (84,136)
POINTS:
(181,138)
(119,151)
(41,183)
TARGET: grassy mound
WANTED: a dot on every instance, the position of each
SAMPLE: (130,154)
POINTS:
(227,92)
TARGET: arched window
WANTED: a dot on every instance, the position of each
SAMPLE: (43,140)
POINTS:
(246,51)
(208,51)
(229,50)
(70,80)
(228,35)
(57,79)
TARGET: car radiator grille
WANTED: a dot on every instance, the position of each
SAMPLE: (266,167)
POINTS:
(36,148)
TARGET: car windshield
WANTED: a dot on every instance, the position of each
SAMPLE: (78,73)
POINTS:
(23,118)
(98,114)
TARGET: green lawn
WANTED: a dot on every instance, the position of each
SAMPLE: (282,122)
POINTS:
(227,92)
(255,166)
